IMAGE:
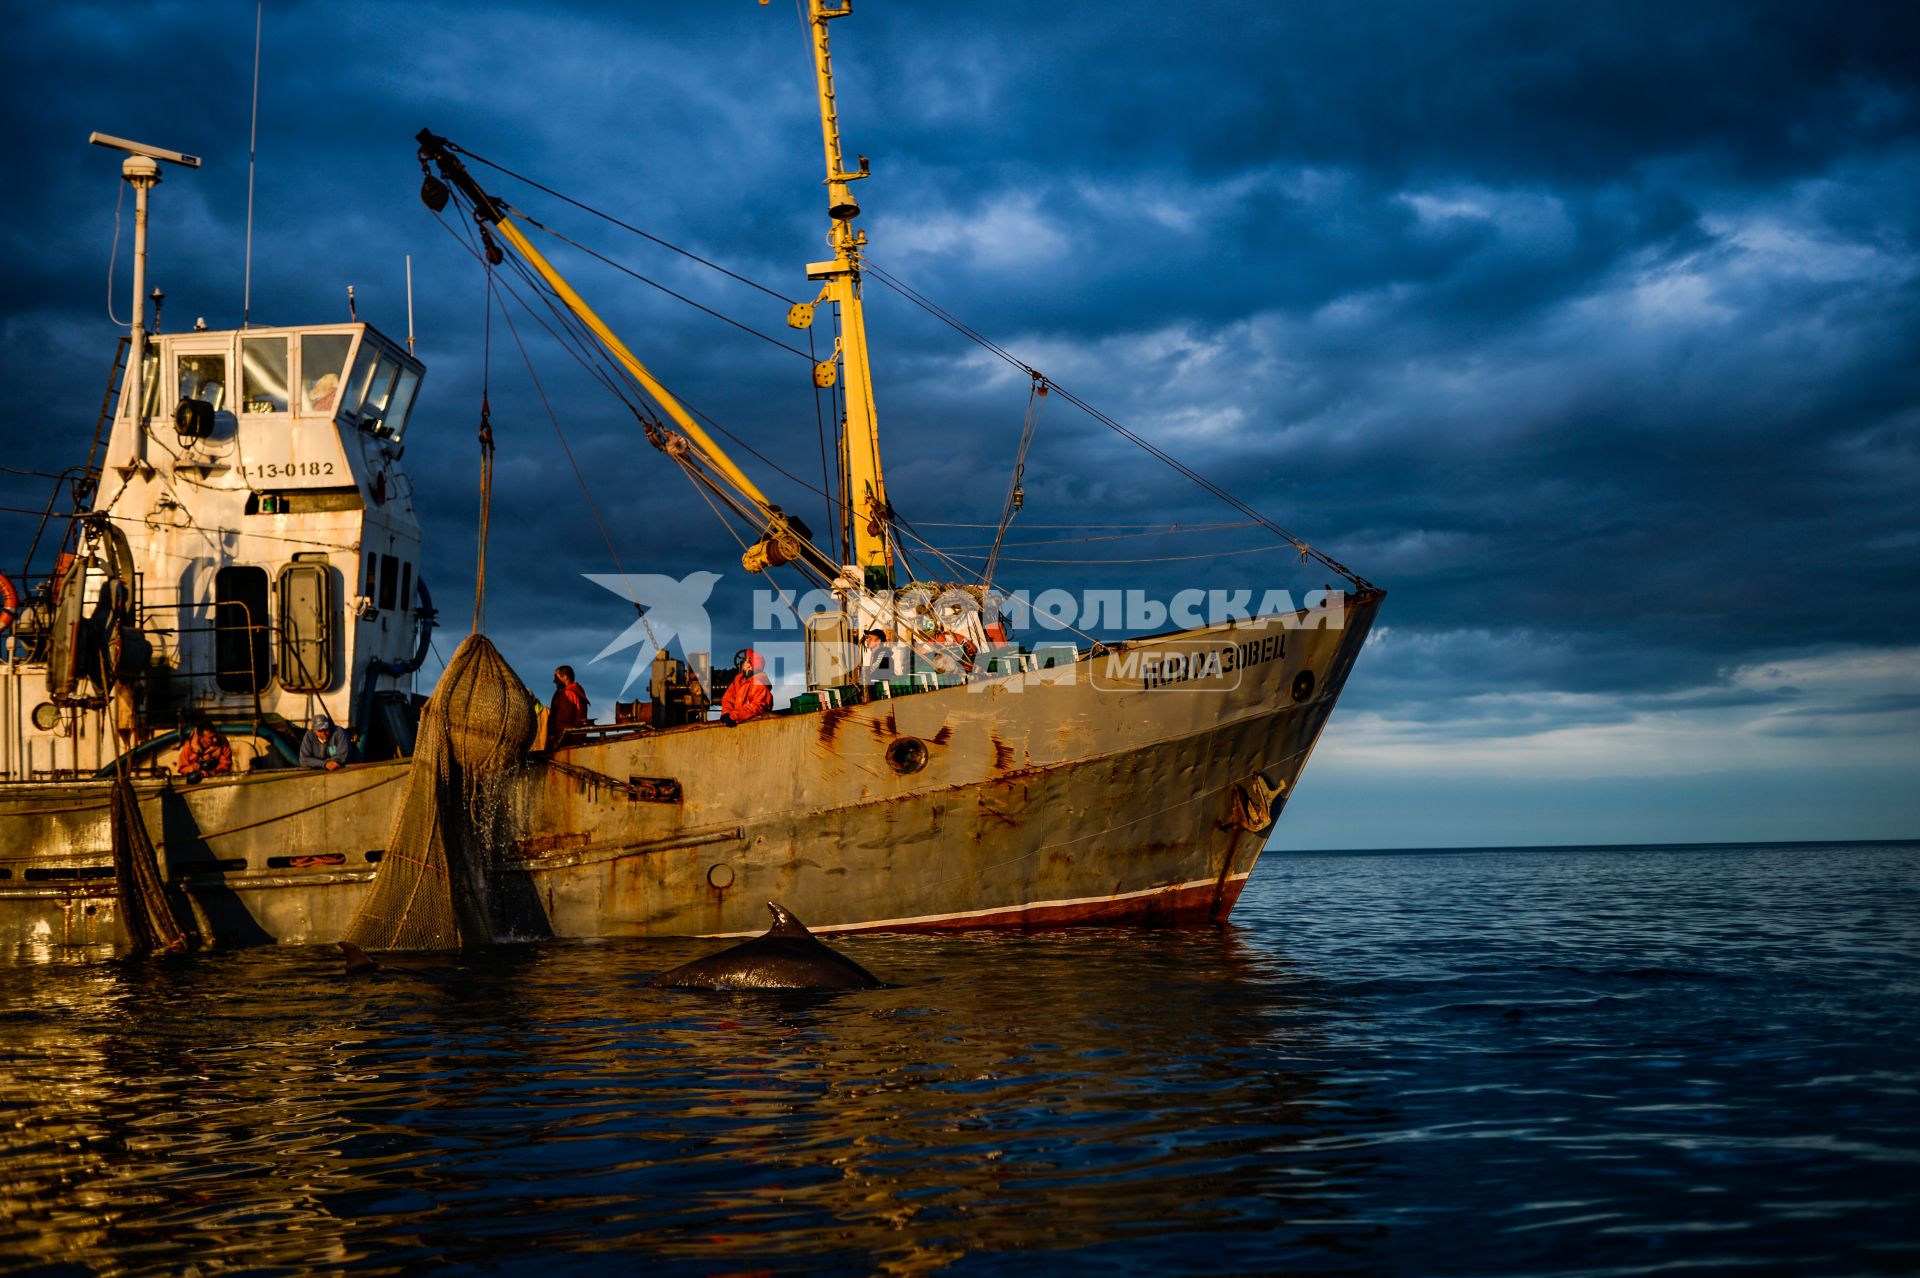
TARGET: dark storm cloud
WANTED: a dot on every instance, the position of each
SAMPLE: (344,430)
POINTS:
(1587,331)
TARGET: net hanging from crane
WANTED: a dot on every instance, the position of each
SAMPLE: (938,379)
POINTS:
(432,890)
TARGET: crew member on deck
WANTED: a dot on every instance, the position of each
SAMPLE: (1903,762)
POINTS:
(876,657)
(569,707)
(324,746)
(751,693)
(205,754)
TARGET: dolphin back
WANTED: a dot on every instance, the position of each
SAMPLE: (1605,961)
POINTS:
(787,957)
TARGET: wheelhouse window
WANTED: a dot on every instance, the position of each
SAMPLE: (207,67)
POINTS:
(365,364)
(379,394)
(263,374)
(240,626)
(403,392)
(323,363)
(203,377)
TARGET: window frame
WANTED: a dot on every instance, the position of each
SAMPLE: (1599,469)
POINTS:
(255,632)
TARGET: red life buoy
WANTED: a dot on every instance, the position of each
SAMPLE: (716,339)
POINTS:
(958,640)
(9,603)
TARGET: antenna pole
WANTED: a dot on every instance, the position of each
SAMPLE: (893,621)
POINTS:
(141,169)
(409,303)
(143,173)
(253,138)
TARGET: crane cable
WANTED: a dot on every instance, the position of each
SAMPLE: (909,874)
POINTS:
(486,463)
(1016,495)
(939,312)
(576,341)
(625,226)
(1134,437)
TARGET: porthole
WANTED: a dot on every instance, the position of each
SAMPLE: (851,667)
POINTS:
(907,755)
(720,876)
(1303,685)
(46,716)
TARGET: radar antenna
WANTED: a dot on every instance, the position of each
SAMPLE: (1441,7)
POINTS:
(141,169)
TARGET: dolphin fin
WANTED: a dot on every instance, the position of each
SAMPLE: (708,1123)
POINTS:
(357,959)
(784,923)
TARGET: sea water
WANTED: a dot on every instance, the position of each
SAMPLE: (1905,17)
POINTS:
(1541,1061)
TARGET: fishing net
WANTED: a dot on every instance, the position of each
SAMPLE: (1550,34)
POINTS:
(145,913)
(431,892)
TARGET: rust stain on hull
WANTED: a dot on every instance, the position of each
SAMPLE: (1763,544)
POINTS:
(1066,804)
(830,721)
(548,844)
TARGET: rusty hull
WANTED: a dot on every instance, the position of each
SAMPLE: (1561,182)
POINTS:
(1079,794)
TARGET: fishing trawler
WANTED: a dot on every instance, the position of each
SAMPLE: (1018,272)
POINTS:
(244,555)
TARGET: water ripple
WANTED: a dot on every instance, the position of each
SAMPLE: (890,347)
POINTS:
(1567,1062)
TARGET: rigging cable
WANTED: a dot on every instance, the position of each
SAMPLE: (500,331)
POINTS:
(1132,436)
(1175,530)
(961,572)
(653,283)
(573,325)
(598,364)
(820,427)
(593,507)
(575,339)
(1016,495)
(651,423)
(1159,559)
(933,308)
(625,226)
(615,377)
(131,520)
(1147,529)
(114,254)
(486,463)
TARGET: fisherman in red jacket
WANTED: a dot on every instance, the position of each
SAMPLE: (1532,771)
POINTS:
(205,754)
(569,707)
(750,695)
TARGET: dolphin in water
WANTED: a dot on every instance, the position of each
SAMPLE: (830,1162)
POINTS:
(359,962)
(787,957)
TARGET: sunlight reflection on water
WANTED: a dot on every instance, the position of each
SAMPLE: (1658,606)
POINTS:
(1584,1061)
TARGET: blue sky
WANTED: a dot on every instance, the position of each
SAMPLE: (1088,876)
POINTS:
(1589,333)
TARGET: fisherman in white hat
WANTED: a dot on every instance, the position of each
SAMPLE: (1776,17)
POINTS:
(324,746)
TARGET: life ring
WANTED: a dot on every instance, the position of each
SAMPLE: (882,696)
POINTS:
(954,640)
(9,603)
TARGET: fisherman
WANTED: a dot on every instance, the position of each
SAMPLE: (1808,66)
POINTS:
(876,658)
(323,746)
(569,707)
(751,694)
(205,754)
(324,391)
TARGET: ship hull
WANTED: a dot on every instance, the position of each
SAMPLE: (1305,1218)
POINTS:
(1132,786)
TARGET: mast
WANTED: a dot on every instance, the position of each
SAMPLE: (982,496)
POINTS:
(866,510)
(142,172)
